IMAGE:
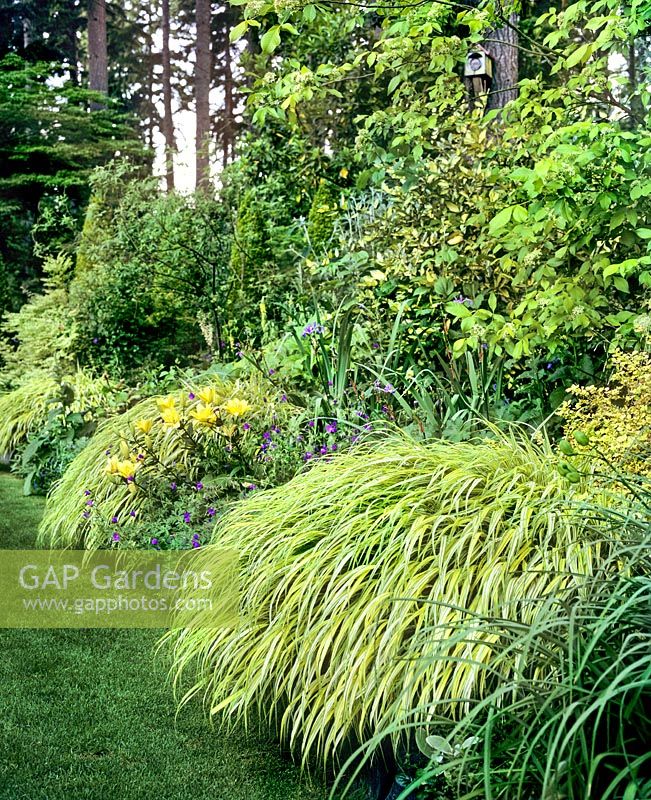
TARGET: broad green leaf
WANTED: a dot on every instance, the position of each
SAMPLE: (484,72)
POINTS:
(239,30)
(501,219)
(270,40)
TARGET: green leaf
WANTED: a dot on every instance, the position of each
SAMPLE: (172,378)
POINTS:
(501,219)
(393,84)
(239,30)
(580,55)
(457,310)
(644,233)
(270,40)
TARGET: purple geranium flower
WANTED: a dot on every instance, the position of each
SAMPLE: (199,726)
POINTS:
(154,541)
(116,536)
(187,516)
(211,513)
(331,427)
(311,328)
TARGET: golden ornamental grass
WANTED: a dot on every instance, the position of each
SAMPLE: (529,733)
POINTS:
(357,576)
(64,523)
(25,409)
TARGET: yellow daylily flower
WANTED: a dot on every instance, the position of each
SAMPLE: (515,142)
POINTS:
(166,403)
(207,395)
(236,407)
(145,425)
(171,417)
(127,469)
(204,415)
(112,465)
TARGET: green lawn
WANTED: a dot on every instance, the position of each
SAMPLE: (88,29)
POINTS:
(89,714)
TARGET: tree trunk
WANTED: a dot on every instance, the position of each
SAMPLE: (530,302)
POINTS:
(97,50)
(168,122)
(502,44)
(203,68)
(636,105)
(73,54)
(229,120)
(27,33)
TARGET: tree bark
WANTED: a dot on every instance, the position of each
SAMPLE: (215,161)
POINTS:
(97,50)
(502,44)
(168,121)
(229,119)
(203,69)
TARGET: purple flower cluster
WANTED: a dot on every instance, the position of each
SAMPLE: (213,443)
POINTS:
(312,328)
(387,388)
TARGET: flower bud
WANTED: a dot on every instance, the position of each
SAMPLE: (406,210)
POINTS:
(581,438)
(565,447)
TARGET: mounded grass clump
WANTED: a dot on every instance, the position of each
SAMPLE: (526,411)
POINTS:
(64,524)
(113,475)
(358,573)
(25,409)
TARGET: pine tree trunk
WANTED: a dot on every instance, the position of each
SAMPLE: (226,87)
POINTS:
(203,68)
(97,50)
(168,121)
(502,44)
(229,121)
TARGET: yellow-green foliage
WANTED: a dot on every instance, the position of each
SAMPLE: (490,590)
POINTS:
(323,213)
(25,409)
(167,433)
(43,329)
(616,417)
(355,575)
